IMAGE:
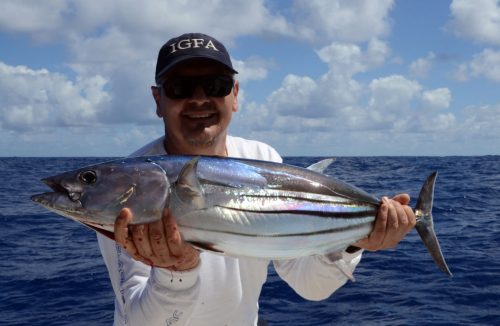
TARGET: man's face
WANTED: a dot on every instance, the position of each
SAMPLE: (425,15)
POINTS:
(197,124)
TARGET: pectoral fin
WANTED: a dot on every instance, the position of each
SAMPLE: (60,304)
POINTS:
(188,188)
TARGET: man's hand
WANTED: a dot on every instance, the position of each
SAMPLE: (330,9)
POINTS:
(394,220)
(156,244)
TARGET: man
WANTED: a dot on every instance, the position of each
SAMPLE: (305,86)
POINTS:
(158,278)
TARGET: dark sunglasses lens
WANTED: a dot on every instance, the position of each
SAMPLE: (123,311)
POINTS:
(213,86)
(178,88)
(218,86)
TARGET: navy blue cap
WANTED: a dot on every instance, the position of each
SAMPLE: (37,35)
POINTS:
(191,46)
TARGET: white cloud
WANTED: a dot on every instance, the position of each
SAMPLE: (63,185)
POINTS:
(302,103)
(143,20)
(437,98)
(119,40)
(294,97)
(23,117)
(396,105)
(483,121)
(420,68)
(403,106)
(325,21)
(476,20)
(32,16)
(442,122)
(377,52)
(36,98)
(393,93)
(336,102)
(337,88)
(422,134)
(251,69)
(485,64)
(342,55)
(349,58)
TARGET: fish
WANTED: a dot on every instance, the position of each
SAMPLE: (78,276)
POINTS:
(232,206)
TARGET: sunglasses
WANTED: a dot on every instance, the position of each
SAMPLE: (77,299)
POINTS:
(184,87)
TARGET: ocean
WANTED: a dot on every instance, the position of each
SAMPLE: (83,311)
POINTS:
(51,271)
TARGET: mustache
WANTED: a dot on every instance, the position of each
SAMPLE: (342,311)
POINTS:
(194,107)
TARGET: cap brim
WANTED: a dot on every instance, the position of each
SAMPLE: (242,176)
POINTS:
(179,60)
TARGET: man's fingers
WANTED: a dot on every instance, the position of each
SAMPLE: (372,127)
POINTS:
(403,199)
(398,225)
(121,226)
(156,244)
(402,218)
(378,234)
(185,255)
(411,217)
(122,235)
(376,237)
(140,235)
(392,225)
(394,220)
(174,241)
(158,241)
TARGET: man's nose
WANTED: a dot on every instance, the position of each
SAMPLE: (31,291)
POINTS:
(199,94)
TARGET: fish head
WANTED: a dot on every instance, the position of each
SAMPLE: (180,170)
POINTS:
(94,195)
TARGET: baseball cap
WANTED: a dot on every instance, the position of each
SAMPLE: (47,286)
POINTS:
(191,46)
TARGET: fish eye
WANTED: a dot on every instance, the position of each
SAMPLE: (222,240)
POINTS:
(88,177)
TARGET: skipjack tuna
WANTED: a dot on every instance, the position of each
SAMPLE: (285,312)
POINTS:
(237,207)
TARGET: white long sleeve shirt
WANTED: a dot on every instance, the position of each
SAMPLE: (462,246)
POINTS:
(220,290)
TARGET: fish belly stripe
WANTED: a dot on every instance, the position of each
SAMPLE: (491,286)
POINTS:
(326,214)
(295,203)
(299,196)
(309,197)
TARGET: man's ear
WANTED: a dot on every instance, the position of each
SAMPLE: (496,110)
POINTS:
(155,91)
(236,88)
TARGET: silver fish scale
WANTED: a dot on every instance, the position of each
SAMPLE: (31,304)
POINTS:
(276,236)
(268,223)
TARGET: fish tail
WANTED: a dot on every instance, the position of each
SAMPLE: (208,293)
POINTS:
(425,224)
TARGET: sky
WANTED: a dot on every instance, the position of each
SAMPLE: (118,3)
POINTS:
(318,77)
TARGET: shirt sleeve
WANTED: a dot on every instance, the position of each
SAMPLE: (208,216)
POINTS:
(317,277)
(145,295)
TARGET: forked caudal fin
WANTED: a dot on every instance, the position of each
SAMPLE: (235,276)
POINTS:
(425,225)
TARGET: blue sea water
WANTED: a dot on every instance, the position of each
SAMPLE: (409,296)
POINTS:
(51,271)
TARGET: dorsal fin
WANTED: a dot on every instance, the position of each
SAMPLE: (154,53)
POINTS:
(322,165)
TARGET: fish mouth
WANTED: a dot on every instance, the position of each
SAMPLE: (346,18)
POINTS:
(61,203)
(61,199)
(58,201)
(54,185)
